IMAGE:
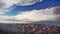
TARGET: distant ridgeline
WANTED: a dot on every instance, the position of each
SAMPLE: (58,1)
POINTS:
(29,29)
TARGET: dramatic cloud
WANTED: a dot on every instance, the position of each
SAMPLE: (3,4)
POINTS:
(8,3)
(31,16)
(37,15)
(28,2)
(57,10)
(2,12)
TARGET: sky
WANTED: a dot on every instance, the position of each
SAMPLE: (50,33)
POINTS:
(30,11)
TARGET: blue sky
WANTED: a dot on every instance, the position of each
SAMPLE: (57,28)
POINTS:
(17,11)
(39,5)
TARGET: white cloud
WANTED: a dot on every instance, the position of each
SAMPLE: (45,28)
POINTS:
(2,12)
(28,2)
(9,3)
(10,19)
(37,15)
(30,16)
